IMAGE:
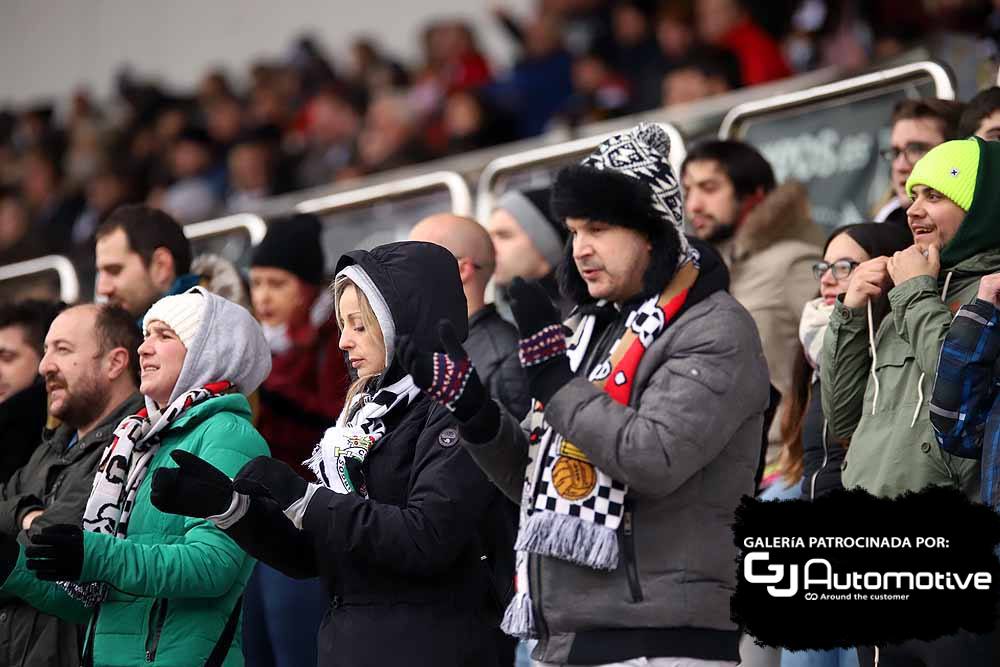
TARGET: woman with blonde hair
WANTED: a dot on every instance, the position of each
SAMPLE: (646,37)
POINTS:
(400,524)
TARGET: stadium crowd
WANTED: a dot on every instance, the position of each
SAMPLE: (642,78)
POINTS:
(282,467)
(301,119)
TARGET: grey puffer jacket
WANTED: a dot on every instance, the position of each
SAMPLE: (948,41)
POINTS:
(688,445)
(492,346)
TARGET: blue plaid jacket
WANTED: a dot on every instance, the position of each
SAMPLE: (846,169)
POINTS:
(964,409)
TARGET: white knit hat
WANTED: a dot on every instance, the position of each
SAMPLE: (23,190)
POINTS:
(181,312)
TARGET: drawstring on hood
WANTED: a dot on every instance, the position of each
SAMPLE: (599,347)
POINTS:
(871,346)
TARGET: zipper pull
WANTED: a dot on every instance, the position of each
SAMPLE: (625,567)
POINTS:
(627,523)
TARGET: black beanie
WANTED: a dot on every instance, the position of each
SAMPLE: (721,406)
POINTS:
(294,245)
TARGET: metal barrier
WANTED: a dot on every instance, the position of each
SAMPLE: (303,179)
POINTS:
(254,226)
(548,157)
(69,284)
(461,198)
(829,136)
(372,215)
(231,237)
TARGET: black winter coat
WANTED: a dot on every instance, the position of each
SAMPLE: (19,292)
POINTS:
(409,570)
(22,418)
(821,458)
(492,347)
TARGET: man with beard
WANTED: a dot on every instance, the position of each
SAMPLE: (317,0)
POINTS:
(91,370)
(766,237)
(142,255)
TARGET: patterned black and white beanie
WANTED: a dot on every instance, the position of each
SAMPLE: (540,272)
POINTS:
(627,181)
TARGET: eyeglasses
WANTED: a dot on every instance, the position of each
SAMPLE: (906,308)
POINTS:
(841,268)
(912,152)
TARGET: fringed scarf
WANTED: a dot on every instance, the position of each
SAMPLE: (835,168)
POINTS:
(356,436)
(570,508)
(121,470)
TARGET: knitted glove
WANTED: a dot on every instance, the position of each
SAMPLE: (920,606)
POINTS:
(56,554)
(449,378)
(271,478)
(194,488)
(452,380)
(542,348)
(9,551)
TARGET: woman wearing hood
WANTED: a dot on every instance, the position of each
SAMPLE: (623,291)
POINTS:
(299,400)
(399,522)
(155,587)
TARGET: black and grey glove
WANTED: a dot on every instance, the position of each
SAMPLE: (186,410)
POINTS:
(270,478)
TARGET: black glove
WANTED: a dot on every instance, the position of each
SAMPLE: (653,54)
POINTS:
(194,488)
(449,378)
(542,348)
(270,478)
(56,553)
(9,551)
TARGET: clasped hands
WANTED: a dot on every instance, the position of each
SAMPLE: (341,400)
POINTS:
(873,278)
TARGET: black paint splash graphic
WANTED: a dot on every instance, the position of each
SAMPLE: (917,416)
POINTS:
(874,612)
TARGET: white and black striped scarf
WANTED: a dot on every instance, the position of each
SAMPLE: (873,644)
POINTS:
(122,468)
(354,437)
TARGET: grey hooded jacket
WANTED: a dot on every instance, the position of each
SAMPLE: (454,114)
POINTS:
(687,445)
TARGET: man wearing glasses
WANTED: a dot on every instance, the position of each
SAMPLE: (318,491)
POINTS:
(917,127)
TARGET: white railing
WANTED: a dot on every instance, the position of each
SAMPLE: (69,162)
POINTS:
(461,197)
(254,226)
(69,284)
(942,79)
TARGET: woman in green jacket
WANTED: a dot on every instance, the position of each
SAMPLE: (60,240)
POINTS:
(157,588)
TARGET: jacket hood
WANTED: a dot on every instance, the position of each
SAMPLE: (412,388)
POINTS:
(782,215)
(229,345)
(979,231)
(419,285)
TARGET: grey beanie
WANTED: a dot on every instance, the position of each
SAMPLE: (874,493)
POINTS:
(531,210)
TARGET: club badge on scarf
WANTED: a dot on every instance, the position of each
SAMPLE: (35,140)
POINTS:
(570,508)
(122,468)
(345,446)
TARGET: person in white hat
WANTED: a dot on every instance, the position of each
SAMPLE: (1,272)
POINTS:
(152,586)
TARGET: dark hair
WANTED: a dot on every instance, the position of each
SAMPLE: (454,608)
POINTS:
(948,113)
(115,328)
(748,170)
(979,107)
(34,317)
(147,229)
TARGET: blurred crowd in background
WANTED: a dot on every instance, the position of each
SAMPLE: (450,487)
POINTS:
(302,119)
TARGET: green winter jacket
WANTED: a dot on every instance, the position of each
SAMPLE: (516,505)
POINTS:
(174,580)
(892,446)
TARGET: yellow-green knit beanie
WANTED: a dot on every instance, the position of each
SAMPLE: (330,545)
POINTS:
(950,168)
